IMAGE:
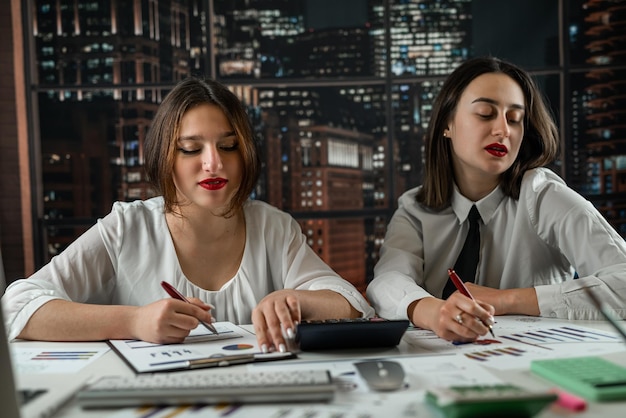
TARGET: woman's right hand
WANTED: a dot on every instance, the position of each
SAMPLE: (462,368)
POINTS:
(168,320)
(276,317)
(457,318)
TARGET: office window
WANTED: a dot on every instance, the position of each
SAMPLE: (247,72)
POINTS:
(339,101)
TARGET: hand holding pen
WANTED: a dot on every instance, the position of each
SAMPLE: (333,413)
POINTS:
(171,290)
(460,286)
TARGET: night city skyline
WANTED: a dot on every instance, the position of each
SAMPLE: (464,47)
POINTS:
(338,111)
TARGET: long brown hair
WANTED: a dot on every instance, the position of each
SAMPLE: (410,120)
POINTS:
(161,139)
(539,145)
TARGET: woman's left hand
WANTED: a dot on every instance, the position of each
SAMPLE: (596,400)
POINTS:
(275,317)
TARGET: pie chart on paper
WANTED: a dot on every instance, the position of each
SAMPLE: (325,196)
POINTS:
(238,347)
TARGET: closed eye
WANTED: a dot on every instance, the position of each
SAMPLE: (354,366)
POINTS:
(515,117)
(512,120)
(188,151)
(229,147)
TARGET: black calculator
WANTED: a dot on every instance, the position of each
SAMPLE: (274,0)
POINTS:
(333,334)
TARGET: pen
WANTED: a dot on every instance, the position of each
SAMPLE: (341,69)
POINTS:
(458,283)
(223,361)
(171,290)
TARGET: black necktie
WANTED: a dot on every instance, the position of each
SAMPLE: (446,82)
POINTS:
(467,262)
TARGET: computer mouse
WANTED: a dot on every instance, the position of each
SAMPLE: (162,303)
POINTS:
(381,375)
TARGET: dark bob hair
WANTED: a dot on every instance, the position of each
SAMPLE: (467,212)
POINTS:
(539,145)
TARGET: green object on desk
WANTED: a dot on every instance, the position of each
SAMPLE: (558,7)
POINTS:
(488,401)
(591,377)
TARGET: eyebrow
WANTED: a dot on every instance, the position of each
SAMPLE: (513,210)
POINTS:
(198,137)
(494,102)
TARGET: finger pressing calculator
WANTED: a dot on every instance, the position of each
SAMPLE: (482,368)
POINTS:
(488,401)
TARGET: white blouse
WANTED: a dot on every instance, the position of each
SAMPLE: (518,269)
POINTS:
(541,240)
(123,258)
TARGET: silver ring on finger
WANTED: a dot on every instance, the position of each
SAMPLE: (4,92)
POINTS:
(459,318)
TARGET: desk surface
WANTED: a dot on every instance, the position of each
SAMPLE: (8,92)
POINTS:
(422,370)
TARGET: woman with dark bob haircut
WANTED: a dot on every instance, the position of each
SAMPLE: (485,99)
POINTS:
(237,259)
(489,213)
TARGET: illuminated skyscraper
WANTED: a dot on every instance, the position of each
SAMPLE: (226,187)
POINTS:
(102,63)
(597,157)
(427,37)
(250,37)
(318,160)
(336,164)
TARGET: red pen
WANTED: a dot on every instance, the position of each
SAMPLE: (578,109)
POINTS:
(171,290)
(460,286)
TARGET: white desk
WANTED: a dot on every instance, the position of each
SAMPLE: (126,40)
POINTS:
(111,364)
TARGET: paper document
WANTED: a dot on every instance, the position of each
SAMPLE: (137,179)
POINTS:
(200,344)
(54,358)
(521,339)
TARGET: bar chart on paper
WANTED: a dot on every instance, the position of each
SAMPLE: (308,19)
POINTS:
(54,360)
(485,355)
(520,339)
(563,334)
(519,342)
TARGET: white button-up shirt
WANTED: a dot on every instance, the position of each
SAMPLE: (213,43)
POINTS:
(540,240)
(123,258)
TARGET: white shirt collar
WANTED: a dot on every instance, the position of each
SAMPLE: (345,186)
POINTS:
(486,206)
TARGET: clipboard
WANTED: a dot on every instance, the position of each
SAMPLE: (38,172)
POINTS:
(230,360)
(201,349)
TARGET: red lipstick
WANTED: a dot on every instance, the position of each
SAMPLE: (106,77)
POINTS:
(215,183)
(497,149)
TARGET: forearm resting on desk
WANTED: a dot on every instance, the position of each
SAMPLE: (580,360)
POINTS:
(522,301)
(61,320)
(324,304)
(164,321)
